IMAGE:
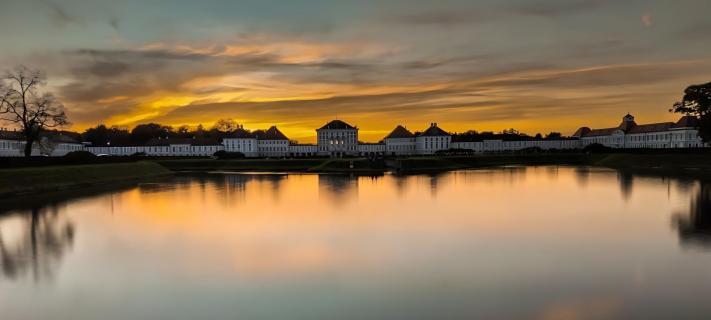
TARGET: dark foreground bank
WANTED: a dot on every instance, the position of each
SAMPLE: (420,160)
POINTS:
(37,180)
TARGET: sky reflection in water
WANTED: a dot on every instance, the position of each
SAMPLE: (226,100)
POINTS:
(510,243)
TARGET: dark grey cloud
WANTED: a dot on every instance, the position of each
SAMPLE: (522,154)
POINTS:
(93,91)
(103,69)
(441,18)
(482,14)
(59,15)
(138,54)
(552,9)
(115,23)
(700,31)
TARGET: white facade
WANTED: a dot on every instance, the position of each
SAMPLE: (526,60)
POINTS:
(171,150)
(303,150)
(369,149)
(665,135)
(432,140)
(13,145)
(400,142)
(245,145)
(273,148)
(400,146)
(337,138)
(430,145)
(517,145)
(61,149)
(12,148)
(475,146)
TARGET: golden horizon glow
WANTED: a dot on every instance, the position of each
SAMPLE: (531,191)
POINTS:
(301,125)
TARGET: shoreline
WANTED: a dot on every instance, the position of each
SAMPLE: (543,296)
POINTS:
(38,181)
(33,181)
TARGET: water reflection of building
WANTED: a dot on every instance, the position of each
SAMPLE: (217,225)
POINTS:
(338,188)
(34,242)
(582,175)
(435,181)
(401,182)
(694,227)
(626,181)
(234,186)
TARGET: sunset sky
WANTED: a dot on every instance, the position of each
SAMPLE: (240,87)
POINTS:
(537,66)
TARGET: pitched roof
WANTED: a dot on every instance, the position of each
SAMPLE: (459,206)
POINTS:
(270,134)
(687,122)
(11,135)
(434,130)
(54,136)
(630,127)
(241,133)
(62,138)
(652,127)
(338,125)
(627,125)
(206,142)
(583,131)
(399,132)
(601,132)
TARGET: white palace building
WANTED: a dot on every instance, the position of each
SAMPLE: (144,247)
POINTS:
(338,139)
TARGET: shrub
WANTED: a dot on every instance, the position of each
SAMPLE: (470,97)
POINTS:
(530,150)
(454,151)
(222,154)
(79,156)
(596,148)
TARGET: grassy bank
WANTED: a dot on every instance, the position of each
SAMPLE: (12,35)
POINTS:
(24,181)
(670,164)
(687,165)
(424,164)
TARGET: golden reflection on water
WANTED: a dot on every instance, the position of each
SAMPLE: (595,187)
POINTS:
(555,242)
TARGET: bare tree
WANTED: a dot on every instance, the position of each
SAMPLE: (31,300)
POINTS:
(225,125)
(24,104)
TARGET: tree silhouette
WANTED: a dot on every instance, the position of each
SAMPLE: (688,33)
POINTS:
(697,102)
(142,133)
(226,125)
(695,227)
(23,103)
(43,241)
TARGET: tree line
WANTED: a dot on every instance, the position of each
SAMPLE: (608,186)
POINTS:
(103,135)
(506,135)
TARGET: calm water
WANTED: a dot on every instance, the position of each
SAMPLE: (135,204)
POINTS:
(510,243)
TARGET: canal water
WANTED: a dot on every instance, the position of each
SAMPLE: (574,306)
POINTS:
(505,243)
